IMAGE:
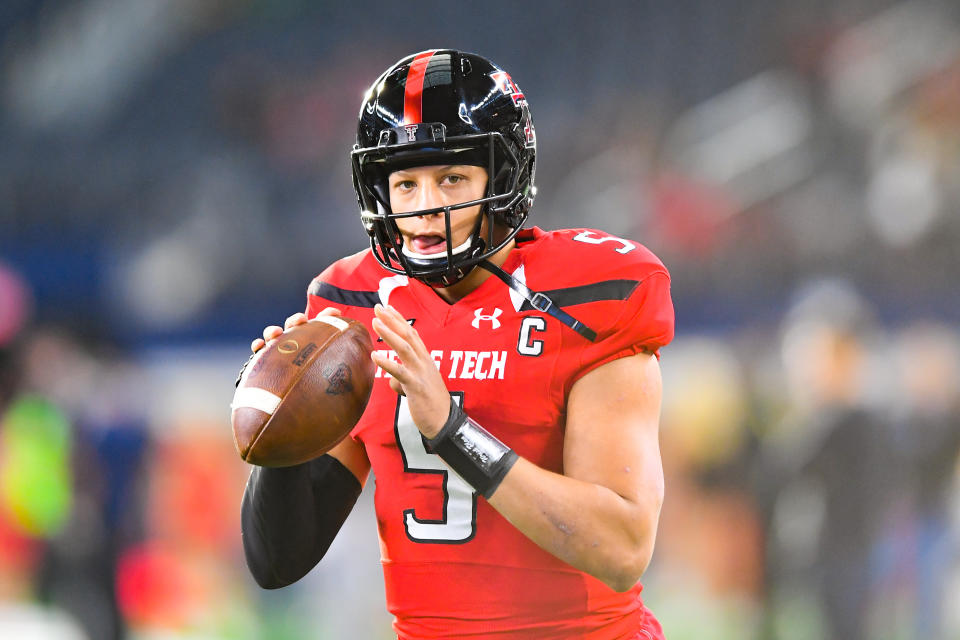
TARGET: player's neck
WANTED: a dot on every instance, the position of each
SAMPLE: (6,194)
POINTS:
(475,278)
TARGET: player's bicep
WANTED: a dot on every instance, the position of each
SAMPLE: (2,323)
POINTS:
(353,455)
(611,437)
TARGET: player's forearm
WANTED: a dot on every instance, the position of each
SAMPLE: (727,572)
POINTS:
(588,526)
(291,515)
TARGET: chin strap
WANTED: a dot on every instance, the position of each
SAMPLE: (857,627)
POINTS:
(539,301)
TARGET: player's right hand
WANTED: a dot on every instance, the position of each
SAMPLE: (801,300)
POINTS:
(271,332)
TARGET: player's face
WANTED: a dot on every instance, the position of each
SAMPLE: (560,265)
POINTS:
(436,186)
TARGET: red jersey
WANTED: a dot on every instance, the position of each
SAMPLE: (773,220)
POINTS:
(454,567)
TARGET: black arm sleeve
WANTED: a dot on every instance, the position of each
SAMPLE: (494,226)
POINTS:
(290,515)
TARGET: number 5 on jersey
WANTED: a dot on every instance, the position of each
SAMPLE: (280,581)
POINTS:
(587,236)
(458,523)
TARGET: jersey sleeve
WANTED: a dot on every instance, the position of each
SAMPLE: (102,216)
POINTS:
(644,324)
(346,284)
(319,297)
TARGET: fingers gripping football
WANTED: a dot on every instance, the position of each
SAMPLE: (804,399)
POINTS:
(271,332)
(303,392)
(415,375)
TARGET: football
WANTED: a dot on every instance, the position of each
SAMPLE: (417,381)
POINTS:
(302,393)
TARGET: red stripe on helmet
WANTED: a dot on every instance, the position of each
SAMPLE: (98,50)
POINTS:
(413,96)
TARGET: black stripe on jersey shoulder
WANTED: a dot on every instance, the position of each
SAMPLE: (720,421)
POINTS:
(594,292)
(348,297)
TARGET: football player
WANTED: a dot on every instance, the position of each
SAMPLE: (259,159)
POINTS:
(513,424)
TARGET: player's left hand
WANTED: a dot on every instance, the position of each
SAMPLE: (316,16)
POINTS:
(415,375)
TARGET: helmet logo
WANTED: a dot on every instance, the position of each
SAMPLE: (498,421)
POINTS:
(411,132)
(478,316)
(507,87)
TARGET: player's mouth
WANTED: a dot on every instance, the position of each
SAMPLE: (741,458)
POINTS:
(428,244)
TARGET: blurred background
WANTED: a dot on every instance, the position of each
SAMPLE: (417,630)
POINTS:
(174,172)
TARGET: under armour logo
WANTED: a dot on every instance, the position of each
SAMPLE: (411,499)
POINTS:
(478,316)
(411,132)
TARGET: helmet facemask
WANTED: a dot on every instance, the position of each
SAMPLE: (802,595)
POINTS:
(426,144)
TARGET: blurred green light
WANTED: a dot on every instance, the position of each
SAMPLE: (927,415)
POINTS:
(35,475)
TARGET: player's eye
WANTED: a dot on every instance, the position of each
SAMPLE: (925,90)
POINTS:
(404,185)
(452,178)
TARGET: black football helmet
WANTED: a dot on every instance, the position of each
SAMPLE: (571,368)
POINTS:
(444,107)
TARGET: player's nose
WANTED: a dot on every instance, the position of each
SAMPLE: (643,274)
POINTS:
(428,197)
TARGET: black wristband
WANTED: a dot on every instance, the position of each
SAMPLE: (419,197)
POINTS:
(472,451)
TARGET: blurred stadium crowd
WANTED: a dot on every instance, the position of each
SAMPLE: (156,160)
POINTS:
(175,171)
